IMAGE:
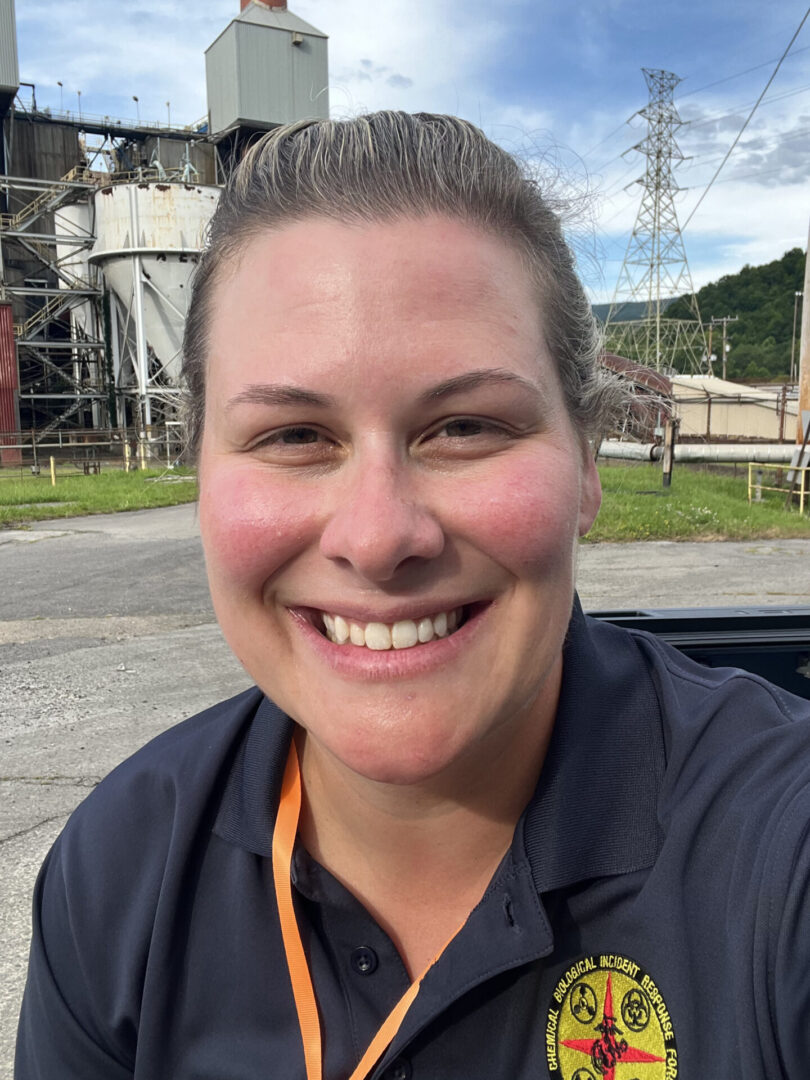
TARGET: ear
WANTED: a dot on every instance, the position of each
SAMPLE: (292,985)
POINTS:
(590,498)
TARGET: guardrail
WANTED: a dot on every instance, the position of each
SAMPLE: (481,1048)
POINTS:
(161,443)
(756,486)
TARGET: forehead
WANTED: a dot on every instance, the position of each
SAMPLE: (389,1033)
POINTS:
(432,265)
(375,308)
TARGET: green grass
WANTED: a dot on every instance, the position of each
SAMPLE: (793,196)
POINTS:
(34,499)
(700,505)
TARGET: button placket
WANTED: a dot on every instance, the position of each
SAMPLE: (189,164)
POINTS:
(364,960)
(399,1069)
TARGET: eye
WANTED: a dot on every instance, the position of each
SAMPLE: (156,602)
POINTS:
(296,436)
(298,444)
(464,428)
(464,438)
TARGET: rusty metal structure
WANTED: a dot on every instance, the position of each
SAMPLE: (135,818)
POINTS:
(101,223)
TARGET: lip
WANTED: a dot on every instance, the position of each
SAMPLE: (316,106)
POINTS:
(357,662)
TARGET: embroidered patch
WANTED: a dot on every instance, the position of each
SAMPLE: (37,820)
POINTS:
(609,1021)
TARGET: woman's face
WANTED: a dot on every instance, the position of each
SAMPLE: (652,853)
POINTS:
(387,453)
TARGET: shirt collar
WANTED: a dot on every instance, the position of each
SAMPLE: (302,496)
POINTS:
(247,814)
(594,810)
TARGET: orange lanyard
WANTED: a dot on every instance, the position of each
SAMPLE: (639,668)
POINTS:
(306,1006)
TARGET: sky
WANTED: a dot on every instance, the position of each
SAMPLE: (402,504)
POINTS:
(555,81)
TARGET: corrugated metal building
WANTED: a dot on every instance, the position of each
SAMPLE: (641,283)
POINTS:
(715,409)
(9,67)
(267,67)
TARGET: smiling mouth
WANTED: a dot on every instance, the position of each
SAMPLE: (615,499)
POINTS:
(403,634)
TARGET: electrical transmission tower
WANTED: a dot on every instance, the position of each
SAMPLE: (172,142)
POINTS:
(655,269)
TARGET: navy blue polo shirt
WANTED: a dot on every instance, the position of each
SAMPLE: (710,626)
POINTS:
(650,921)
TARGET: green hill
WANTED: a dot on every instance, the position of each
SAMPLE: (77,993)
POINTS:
(762,298)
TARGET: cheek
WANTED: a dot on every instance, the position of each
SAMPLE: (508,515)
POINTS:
(251,526)
(525,516)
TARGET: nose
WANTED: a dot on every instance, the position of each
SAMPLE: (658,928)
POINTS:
(379,523)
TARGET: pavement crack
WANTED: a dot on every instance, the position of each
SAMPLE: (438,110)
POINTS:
(32,828)
(55,781)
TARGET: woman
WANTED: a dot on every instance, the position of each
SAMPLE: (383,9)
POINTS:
(457,830)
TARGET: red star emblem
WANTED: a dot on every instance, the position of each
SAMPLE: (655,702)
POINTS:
(609,1050)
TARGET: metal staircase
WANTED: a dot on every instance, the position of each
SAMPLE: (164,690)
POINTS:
(57,359)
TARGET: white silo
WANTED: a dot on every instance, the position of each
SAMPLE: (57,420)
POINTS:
(148,238)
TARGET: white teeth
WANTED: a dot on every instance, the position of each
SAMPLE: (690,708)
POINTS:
(380,637)
(404,634)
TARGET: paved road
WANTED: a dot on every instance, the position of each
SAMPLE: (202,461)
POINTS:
(107,636)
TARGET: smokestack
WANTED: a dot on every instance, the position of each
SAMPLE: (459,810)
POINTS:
(278,4)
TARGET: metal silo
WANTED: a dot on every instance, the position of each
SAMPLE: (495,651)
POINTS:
(148,239)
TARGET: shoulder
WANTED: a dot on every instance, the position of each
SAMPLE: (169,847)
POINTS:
(703,708)
(692,698)
(128,853)
(175,771)
(145,818)
(734,748)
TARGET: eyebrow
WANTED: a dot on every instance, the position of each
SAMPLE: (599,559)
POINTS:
(471,380)
(272,394)
(280,394)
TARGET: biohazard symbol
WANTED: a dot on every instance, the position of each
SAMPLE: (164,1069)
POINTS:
(588,1038)
(636,1010)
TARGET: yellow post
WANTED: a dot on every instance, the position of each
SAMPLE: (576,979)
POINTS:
(142,450)
(127,456)
(53,473)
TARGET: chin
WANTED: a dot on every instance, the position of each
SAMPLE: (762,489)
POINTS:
(413,750)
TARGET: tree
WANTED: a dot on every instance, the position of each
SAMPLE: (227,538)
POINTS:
(762,298)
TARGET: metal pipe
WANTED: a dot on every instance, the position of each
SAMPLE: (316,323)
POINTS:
(142,359)
(804,353)
(711,452)
(119,253)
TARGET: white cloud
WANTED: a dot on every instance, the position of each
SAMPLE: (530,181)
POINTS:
(112,51)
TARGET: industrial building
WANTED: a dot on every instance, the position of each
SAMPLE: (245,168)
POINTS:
(101,224)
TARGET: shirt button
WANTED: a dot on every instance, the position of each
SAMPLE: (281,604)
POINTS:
(399,1070)
(364,960)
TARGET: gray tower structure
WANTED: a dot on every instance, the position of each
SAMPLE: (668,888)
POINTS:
(655,270)
(9,67)
(267,67)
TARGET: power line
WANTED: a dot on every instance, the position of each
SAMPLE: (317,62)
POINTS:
(603,141)
(699,89)
(747,121)
(713,117)
(738,74)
